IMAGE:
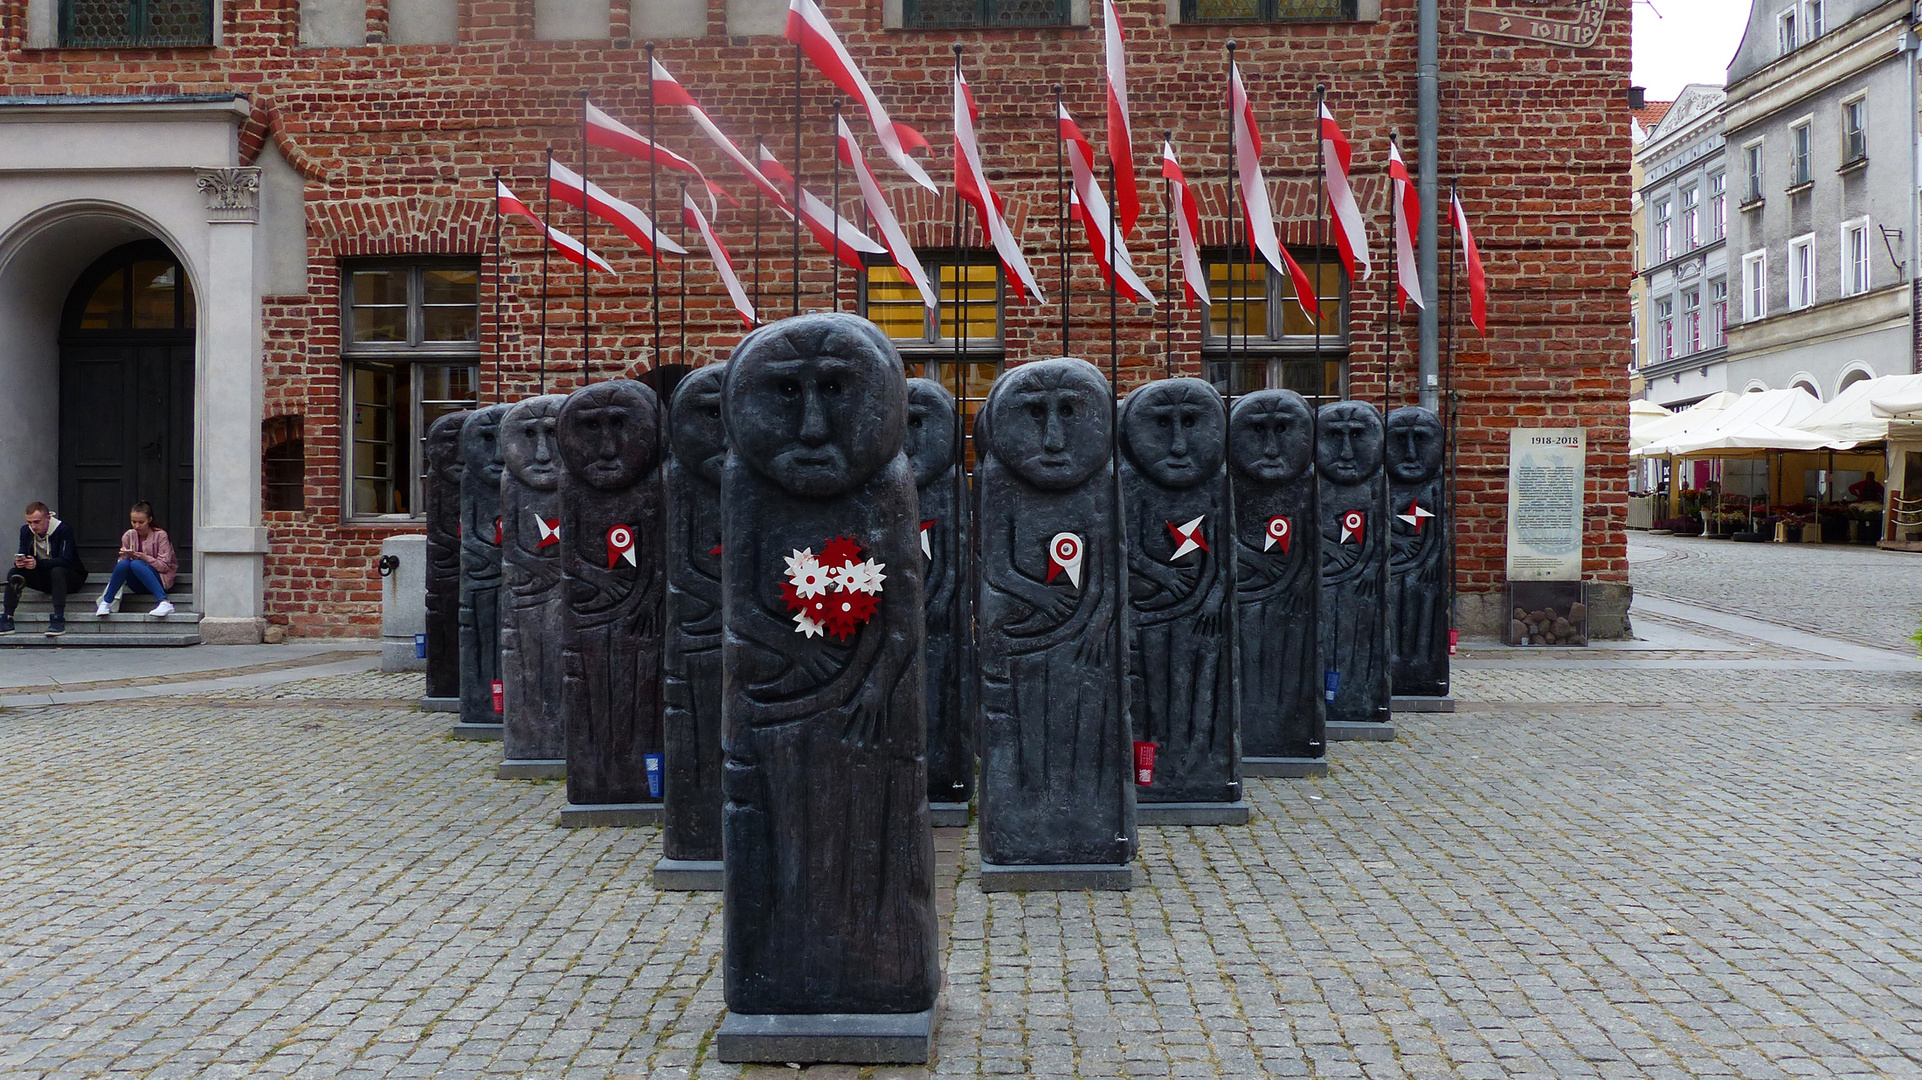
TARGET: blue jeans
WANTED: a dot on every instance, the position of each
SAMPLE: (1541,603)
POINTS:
(142,575)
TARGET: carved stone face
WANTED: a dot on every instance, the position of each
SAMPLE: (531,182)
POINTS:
(610,433)
(1050,422)
(528,447)
(816,403)
(443,447)
(1348,442)
(1415,443)
(1271,436)
(480,446)
(700,443)
(931,424)
(1173,431)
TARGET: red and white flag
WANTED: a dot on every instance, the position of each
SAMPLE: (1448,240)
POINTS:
(723,263)
(1407,207)
(571,249)
(1121,153)
(1187,227)
(1477,279)
(835,232)
(1336,154)
(884,219)
(605,131)
(809,29)
(1254,189)
(667,91)
(1091,207)
(565,184)
(971,184)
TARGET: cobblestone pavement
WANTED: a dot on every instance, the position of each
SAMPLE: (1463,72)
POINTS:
(1589,871)
(1860,594)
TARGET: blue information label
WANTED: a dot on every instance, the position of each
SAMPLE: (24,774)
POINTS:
(1331,682)
(654,776)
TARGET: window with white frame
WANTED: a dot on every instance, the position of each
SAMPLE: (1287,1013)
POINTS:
(1785,31)
(1635,338)
(1811,19)
(1718,206)
(1717,314)
(1855,257)
(1665,329)
(1755,285)
(1691,219)
(1800,143)
(1752,157)
(1691,321)
(1855,131)
(1802,272)
(1658,232)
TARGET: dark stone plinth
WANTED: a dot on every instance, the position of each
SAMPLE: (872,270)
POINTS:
(828,1038)
(829,902)
(609,436)
(1056,749)
(1285,767)
(532,601)
(1354,562)
(476,732)
(688,875)
(1365,731)
(948,815)
(440,704)
(609,815)
(442,491)
(1193,813)
(933,449)
(1271,450)
(1419,527)
(1184,693)
(1057,877)
(480,566)
(1407,703)
(691,665)
(532,769)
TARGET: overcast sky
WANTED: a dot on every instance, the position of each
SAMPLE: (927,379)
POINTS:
(1692,41)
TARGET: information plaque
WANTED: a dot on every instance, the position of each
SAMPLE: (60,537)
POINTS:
(1545,468)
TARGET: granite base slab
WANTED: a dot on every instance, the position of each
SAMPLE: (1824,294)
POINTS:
(1419,703)
(1058,877)
(948,815)
(532,769)
(610,815)
(836,1038)
(1366,731)
(477,732)
(1192,813)
(687,875)
(1289,767)
(440,704)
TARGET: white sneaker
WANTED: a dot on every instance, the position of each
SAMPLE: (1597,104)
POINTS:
(101,608)
(163,609)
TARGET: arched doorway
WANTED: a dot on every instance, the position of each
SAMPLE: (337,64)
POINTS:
(127,399)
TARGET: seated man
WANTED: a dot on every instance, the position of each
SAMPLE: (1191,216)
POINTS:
(47,561)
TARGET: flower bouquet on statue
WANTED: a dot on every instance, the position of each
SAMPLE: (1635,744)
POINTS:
(834,593)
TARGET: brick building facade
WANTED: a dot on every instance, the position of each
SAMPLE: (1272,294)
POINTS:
(377,125)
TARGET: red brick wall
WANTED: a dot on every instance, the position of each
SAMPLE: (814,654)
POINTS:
(399,143)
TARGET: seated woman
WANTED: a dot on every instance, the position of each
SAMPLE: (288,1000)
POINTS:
(147,562)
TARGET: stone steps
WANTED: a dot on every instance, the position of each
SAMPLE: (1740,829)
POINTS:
(132,625)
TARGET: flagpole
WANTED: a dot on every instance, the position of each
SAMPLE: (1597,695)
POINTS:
(834,207)
(1453,407)
(1168,267)
(587,320)
(959,560)
(798,210)
(1390,298)
(1114,275)
(498,279)
(1061,218)
(547,249)
(758,148)
(1238,199)
(1321,239)
(653,209)
(683,275)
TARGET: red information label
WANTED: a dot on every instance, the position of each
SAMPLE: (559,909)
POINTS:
(500,698)
(1144,764)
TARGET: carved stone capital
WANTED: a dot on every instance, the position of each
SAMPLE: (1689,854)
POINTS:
(232,194)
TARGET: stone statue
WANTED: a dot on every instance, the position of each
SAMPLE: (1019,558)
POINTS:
(443,556)
(1271,447)
(932,427)
(1056,782)
(691,841)
(1183,693)
(480,569)
(610,543)
(535,740)
(1418,554)
(1354,562)
(829,896)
